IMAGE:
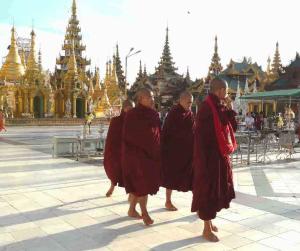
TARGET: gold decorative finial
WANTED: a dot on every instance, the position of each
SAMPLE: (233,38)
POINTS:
(72,65)
(74,8)
(32,64)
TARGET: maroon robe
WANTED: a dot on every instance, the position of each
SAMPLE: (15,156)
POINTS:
(112,153)
(177,149)
(141,151)
(212,182)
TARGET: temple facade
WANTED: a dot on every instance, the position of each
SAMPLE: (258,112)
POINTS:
(24,86)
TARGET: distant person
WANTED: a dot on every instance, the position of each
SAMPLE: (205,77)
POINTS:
(177,141)
(280,122)
(249,121)
(214,142)
(112,152)
(259,121)
(88,120)
(2,121)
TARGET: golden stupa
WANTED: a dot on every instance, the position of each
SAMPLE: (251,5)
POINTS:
(12,69)
(103,106)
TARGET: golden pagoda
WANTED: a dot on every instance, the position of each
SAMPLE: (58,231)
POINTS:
(111,84)
(12,69)
(103,108)
(25,90)
(70,77)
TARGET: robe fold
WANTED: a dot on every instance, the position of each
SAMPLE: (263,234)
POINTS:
(112,152)
(141,162)
(177,149)
(212,174)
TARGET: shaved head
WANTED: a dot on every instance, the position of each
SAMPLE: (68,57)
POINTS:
(145,97)
(216,84)
(127,105)
(186,100)
(141,93)
(185,95)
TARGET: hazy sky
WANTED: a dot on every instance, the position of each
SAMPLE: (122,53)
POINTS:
(244,28)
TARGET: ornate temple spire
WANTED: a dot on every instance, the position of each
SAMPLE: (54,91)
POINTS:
(71,77)
(276,65)
(215,67)
(140,74)
(145,75)
(187,76)
(97,80)
(269,66)
(72,65)
(74,8)
(166,65)
(40,61)
(91,88)
(22,56)
(109,69)
(254,87)
(114,77)
(12,69)
(246,89)
(106,78)
(119,70)
(32,65)
(73,33)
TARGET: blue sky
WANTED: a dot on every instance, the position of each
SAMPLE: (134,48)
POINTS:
(41,13)
(248,29)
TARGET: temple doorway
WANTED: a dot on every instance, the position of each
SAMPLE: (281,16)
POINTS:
(38,105)
(80,107)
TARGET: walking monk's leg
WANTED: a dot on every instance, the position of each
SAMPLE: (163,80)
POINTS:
(110,190)
(207,232)
(169,205)
(132,207)
(145,215)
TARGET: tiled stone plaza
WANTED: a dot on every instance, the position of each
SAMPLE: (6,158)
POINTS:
(60,204)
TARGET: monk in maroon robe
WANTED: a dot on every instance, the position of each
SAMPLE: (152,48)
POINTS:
(177,148)
(112,152)
(214,142)
(141,152)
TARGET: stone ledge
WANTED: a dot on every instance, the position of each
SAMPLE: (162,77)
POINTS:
(51,121)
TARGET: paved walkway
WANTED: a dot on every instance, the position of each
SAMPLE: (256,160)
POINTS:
(59,204)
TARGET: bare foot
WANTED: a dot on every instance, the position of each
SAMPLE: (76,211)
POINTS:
(110,191)
(129,197)
(170,207)
(147,220)
(134,214)
(210,236)
(214,228)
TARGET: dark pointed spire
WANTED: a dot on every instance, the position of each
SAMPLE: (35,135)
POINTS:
(166,65)
(140,76)
(187,77)
(119,69)
(145,74)
(276,65)
(215,66)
